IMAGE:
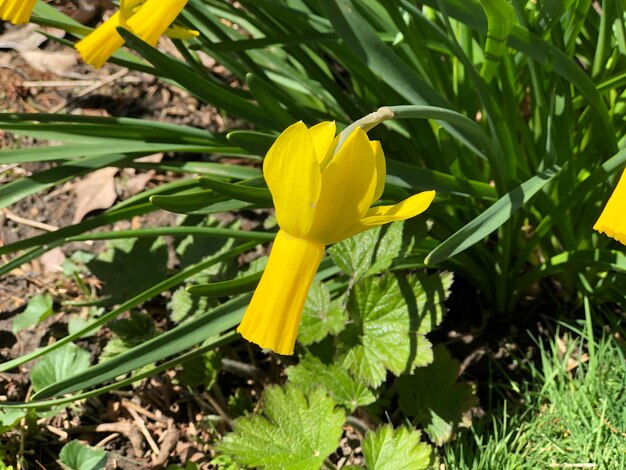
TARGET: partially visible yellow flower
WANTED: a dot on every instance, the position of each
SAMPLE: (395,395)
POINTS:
(16,11)
(321,196)
(147,19)
(612,221)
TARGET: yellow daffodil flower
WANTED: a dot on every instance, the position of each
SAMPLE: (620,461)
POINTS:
(612,221)
(147,19)
(16,11)
(321,195)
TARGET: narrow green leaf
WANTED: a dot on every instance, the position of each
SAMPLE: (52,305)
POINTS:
(20,188)
(239,191)
(225,288)
(197,85)
(173,281)
(267,97)
(256,143)
(170,343)
(500,21)
(491,219)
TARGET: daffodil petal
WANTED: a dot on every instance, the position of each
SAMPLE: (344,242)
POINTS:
(293,176)
(381,169)
(273,315)
(16,11)
(380,215)
(154,17)
(98,46)
(612,221)
(322,135)
(347,189)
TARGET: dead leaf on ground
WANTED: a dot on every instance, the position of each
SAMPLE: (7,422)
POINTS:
(57,62)
(138,182)
(96,191)
(52,261)
(27,38)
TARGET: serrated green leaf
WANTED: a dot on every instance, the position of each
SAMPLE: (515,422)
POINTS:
(320,316)
(129,266)
(77,456)
(38,309)
(185,307)
(369,252)
(202,370)
(393,315)
(296,431)
(311,372)
(385,449)
(432,395)
(59,365)
(9,417)
(135,329)
(129,332)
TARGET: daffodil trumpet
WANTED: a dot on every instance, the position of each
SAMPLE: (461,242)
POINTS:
(323,187)
(612,221)
(16,11)
(146,19)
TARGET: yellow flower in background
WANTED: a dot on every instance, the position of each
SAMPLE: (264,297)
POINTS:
(16,11)
(612,221)
(147,19)
(321,196)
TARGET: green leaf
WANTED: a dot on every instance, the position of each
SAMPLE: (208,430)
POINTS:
(129,266)
(311,372)
(500,21)
(59,365)
(170,343)
(256,195)
(370,252)
(257,143)
(226,288)
(385,449)
(295,432)
(321,316)
(20,188)
(9,418)
(129,332)
(432,395)
(136,329)
(77,456)
(202,370)
(392,316)
(205,90)
(491,219)
(185,307)
(38,309)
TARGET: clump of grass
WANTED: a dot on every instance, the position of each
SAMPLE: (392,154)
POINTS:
(573,413)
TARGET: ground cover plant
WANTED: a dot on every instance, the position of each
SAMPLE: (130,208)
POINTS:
(512,112)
